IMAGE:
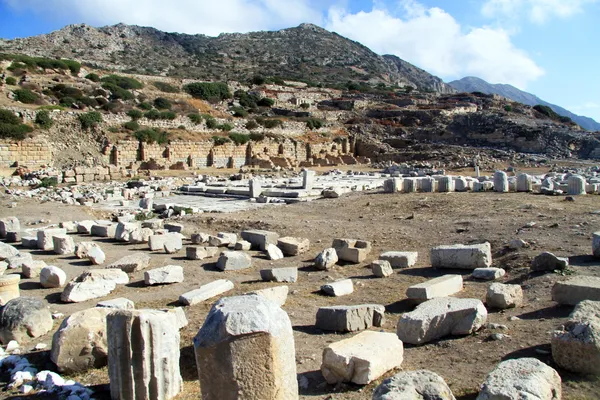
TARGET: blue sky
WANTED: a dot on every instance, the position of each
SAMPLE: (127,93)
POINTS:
(543,46)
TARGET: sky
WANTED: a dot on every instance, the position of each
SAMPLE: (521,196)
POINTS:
(545,47)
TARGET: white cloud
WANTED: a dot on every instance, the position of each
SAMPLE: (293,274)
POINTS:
(187,16)
(433,40)
(538,11)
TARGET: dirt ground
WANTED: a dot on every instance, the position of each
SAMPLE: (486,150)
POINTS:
(409,222)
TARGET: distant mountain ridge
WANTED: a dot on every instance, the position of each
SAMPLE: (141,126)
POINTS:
(474,84)
(306,52)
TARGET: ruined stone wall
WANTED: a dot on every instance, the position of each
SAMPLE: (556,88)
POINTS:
(32,152)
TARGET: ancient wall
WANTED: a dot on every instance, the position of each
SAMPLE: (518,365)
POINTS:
(34,152)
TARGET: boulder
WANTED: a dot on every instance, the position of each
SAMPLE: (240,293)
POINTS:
(549,262)
(350,318)
(414,385)
(288,274)
(522,378)
(33,270)
(19,261)
(277,294)
(140,236)
(291,246)
(63,244)
(273,252)
(125,229)
(164,275)
(85,227)
(351,250)
(363,358)
(131,263)
(93,284)
(83,249)
(400,259)
(104,229)
(260,239)
(326,259)
(80,344)
(9,224)
(338,288)
(233,261)
(441,317)
(52,277)
(205,292)
(157,242)
(45,238)
(576,289)
(462,256)
(120,303)
(6,251)
(381,268)
(173,244)
(242,245)
(500,295)
(96,256)
(488,274)
(24,318)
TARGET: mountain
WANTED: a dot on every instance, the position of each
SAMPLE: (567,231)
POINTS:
(472,84)
(306,52)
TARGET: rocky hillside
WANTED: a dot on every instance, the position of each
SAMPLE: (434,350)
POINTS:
(473,84)
(306,53)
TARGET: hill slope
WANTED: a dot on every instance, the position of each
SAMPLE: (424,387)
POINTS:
(473,84)
(306,52)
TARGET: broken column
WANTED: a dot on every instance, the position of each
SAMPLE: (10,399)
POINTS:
(462,256)
(255,188)
(445,184)
(428,184)
(257,337)
(500,182)
(308,179)
(524,183)
(576,185)
(143,355)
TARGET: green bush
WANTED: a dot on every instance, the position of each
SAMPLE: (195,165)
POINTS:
(162,104)
(51,107)
(90,119)
(14,131)
(507,108)
(93,77)
(251,125)
(220,140)
(314,123)
(89,101)
(195,118)
(266,102)
(135,114)
(152,114)
(258,80)
(169,115)
(131,126)
(565,120)
(239,112)
(43,119)
(270,123)
(152,136)
(210,91)
(145,106)
(165,87)
(305,106)
(26,96)
(547,111)
(239,138)
(11,81)
(67,101)
(226,127)
(48,182)
(117,92)
(211,123)
(73,66)
(23,61)
(123,82)
(9,117)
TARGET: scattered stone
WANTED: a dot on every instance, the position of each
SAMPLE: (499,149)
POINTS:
(351,250)
(462,256)
(196,253)
(125,229)
(500,295)
(442,286)
(273,252)
(140,236)
(80,344)
(488,274)
(13,237)
(277,294)
(362,358)
(9,288)
(143,348)
(338,288)
(257,335)
(549,262)
(179,314)
(52,277)
(233,261)
(522,378)
(223,239)
(200,238)
(33,270)
(576,289)
(45,238)
(19,261)
(414,385)
(24,318)
(242,245)
(326,259)
(501,182)
(83,249)
(85,227)
(153,224)
(157,242)
(441,317)
(164,275)
(518,244)
(70,226)
(291,246)
(63,244)
(28,242)
(350,318)
(96,256)
(6,251)
(131,263)
(205,292)
(381,268)
(9,224)
(93,284)
(400,259)
(173,245)
(120,303)
(104,229)
(173,227)
(596,244)
(288,274)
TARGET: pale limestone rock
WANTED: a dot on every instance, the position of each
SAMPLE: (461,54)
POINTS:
(83,249)
(45,238)
(326,259)
(242,245)
(9,224)
(381,268)
(131,263)
(63,244)
(338,288)
(414,385)
(206,292)
(233,261)
(400,259)
(501,182)
(120,303)
(164,275)
(52,277)
(350,318)
(6,251)
(19,261)
(273,252)
(576,289)
(503,296)
(93,284)
(462,256)
(96,256)
(33,270)
(442,286)
(258,336)
(277,294)
(287,274)
(488,274)
(292,246)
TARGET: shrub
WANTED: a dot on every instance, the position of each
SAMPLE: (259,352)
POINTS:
(226,127)
(195,118)
(48,182)
(162,104)
(135,114)
(11,81)
(239,138)
(314,123)
(165,87)
(145,106)
(89,101)
(266,102)
(271,123)
(131,126)
(210,91)
(67,101)
(565,120)
(547,111)
(14,131)
(9,117)
(239,112)
(258,80)
(90,119)
(73,66)
(43,119)
(251,125)
(51,107)
(305,106)
(93,77)
(170,115)
(220,140)
(152,114)
(152,136)
(257,137)
(211,123)
(507,108)
(123,82)
(26,96)
(117,92)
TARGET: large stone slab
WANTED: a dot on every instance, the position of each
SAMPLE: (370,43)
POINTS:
(206,292)
(576,289)
(164,275)
(93,284)
(131,263)
(45,238)
(596,244)
(400,259)
(350,318)
(233,261)
(6,251)
(292,246)
(414,385)
(277,294)
(287,274)
(442,286)
(381,268)
(462,256)
(338,288)
(24,318)
(157,242)
(547,261)
(501,296)
(260,239)
(362,358)
(63,244)
(326,259)
(9,224)
(104,229)
(351,250)
(257,336)
(83,248)
(522,378)
(19,261)
(441,317)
